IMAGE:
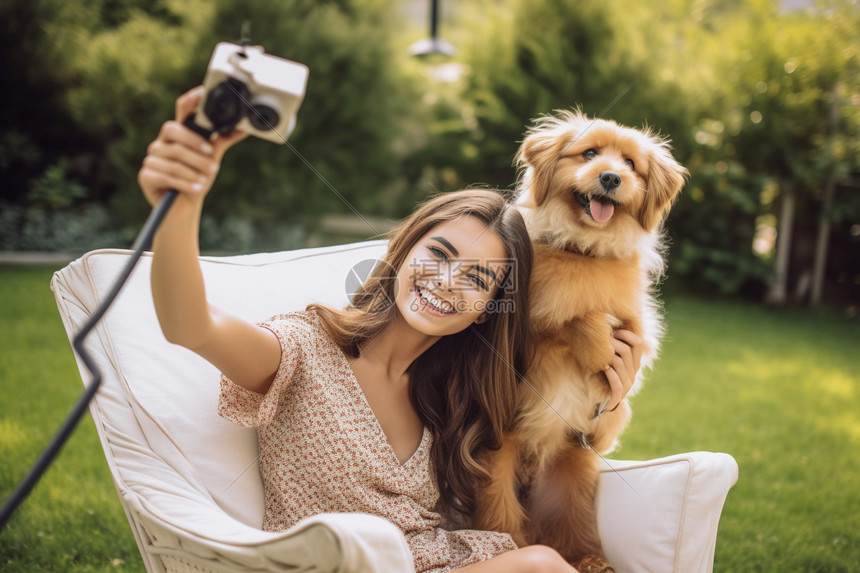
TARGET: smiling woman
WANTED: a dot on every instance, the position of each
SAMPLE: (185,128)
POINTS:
(383,407)
(462,260)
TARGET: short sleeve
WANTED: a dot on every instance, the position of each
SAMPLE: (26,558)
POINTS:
(252,409)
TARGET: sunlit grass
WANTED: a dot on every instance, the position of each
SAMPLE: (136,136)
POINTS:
(780,391)
(777,389)
(73,520)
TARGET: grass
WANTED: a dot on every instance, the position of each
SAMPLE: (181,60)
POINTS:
(72,520)
(778,389)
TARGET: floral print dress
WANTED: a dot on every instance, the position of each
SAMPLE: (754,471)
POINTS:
(322,450)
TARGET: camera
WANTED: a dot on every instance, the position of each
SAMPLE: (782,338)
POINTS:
(249,90)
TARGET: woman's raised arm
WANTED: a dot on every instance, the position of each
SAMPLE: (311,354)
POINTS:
(182,160)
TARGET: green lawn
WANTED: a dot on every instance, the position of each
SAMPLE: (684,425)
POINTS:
(777,389)
(72,521)
(780,391)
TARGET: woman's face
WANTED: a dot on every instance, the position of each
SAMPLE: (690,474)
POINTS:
(450,277)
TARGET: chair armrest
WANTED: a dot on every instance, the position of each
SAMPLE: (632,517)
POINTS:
(662,514)
(343,542)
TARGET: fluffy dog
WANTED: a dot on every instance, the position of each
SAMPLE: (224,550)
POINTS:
(594,195)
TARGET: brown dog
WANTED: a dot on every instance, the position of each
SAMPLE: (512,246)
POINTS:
(594,195)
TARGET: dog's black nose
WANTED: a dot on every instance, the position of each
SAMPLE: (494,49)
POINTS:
(610,180)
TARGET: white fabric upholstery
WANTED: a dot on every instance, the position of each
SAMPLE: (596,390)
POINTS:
(662,515)
(189,481)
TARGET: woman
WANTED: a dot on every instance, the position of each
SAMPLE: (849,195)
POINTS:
(382,406)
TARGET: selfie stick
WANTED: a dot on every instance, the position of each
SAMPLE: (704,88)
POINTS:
(141,243)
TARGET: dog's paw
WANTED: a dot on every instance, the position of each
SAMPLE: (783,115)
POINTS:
(594,564)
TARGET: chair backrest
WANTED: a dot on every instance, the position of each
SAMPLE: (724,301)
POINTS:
(156,411)
(189,480)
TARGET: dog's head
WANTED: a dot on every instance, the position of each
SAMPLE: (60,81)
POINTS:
(593,185)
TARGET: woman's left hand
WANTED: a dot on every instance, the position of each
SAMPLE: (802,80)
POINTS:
(621,373)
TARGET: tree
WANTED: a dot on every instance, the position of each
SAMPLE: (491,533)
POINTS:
(82,72)
(108,72)
(36,126)
(342,155)
(789,131)
(528,58)
(742,89)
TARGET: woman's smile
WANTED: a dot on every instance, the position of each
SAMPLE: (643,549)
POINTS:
(432,303)
(452,274)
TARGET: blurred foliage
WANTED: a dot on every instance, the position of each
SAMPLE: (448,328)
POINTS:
(115,67)
(756,100)
(779,117)
(344,152)
(528,58)
(54,219)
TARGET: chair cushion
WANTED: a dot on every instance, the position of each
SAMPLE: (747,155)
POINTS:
(662,514)
(173,391)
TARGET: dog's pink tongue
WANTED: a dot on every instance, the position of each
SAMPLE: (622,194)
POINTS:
(601,212)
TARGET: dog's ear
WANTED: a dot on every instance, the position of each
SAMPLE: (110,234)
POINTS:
(535,162)
(665,178)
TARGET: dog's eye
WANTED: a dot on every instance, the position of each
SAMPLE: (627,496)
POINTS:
(630,163)
(590,154)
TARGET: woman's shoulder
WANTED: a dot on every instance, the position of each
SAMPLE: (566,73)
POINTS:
(305,321)
(305,326)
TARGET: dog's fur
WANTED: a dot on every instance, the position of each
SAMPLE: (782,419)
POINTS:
(597,258)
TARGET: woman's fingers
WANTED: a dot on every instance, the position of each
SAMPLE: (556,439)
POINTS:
(615,386)
(176,170)
(186,103)
(181,159)
(175,132)
(622,371)
(636,344)
(157,182)
(623,363)
(224,142)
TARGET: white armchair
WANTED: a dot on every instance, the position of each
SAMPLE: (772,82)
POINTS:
(189,481)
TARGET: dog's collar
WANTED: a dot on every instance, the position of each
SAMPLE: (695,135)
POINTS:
(580,438)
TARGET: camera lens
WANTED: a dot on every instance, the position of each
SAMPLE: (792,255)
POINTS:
(263,117)
(225,105)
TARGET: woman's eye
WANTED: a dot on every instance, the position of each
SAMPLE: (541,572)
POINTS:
(590,154)
(439,253)
(630,163)
(479,282)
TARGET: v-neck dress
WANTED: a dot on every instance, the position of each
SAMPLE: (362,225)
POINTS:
(322,450)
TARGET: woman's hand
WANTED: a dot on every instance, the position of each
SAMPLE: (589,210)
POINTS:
(625,365)
(183,160)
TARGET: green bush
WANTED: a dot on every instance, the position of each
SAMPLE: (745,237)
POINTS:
(342,154)
(750,95)
(755,98)
(54,218)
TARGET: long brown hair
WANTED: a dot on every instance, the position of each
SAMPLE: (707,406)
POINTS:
(464,386)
